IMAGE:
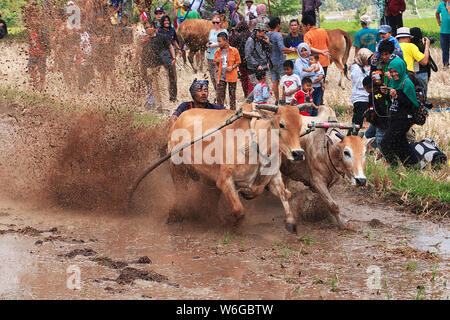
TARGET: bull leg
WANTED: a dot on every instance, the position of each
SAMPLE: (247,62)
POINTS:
(278,188)
(226,185)
(191,60)
(340,66)
(332,206)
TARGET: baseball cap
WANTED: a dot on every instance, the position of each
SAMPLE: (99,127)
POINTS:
(365,19)
(403,32)
(384,29)
(160,9)
(186,3)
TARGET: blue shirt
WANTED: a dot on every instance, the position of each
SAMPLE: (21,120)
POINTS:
(189,105)
(276,55)
(261,93)
(396,43)
(445,17)
(367,38)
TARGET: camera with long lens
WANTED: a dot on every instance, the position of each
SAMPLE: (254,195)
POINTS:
(432,40)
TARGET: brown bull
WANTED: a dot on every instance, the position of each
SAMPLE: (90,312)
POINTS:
(327,160)
(340,45)
(194,33)
(243,163)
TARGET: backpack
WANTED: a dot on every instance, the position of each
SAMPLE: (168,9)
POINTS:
(419,114)
(428,151)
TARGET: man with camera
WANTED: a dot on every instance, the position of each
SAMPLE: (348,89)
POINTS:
(412,54)
(257,51)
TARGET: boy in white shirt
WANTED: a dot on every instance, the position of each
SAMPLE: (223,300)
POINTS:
(290,82)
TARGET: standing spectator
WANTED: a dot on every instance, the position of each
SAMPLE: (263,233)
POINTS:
(423,72)
(309,8)
(411,52)
(144,15)
(404,99)
(395,9)
(238,40)
(181,10)
(360,97)
(250,9)
(261,10)
(382,18)
(277,55)
(190,14)
(213,45)
(443,20)
(293,39)
(385,34)
(168,30)
(228,59)
(196,6)
(220,6)
(290,82)
(159,13)
(257,51)
(117,4)
(366,37)
(304,96)
(3,28)
(317,40)
(234,16)
(39,49)
(157,51)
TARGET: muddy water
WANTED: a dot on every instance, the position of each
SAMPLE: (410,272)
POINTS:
(203,260)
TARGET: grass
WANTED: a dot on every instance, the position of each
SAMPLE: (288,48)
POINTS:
(423,189)
(429,27)
(16,34)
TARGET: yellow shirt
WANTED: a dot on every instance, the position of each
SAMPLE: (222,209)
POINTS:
(178,4)
(411,53)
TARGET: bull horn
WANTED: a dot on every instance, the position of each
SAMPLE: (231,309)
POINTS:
(304,106)
(339,135)
(268,107)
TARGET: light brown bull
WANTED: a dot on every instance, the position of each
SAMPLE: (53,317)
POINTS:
(340,45)
(327,161)
(237,160)
(194,33)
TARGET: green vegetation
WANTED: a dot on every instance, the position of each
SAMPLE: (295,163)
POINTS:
(428,26)
(424,191)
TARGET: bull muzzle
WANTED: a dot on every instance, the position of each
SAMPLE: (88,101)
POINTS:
(298,155)
(361,182)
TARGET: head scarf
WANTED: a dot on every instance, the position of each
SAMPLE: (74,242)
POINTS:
(234,17)
(163,19)
(196,84)
(261,9)
(305,61)
(408,87)
(362,58)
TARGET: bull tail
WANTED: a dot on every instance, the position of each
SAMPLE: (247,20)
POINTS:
(348,46)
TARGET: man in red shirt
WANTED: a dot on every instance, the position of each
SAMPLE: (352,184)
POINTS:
(317,39)
(395,9)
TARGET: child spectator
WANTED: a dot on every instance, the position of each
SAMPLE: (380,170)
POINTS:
(261,93)
(228,59)
(305,96)
(317,81)
(290,82)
